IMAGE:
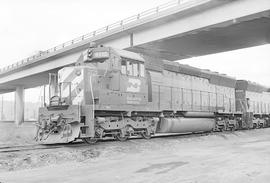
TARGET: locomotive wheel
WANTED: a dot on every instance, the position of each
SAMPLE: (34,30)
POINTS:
(90,140)
(221,129)
(120,138)
(145,135)
(233,128)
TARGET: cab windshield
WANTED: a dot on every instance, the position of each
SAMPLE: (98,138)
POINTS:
(58,94)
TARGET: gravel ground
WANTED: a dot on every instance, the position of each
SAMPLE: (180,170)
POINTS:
(10,134)
(241,156)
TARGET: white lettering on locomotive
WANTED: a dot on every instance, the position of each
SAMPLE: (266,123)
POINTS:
(133,100)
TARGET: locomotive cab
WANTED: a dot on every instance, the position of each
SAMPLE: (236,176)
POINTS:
(117,78)
(103,79)
(120,81)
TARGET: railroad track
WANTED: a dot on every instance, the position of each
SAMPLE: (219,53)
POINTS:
(11,149)
(14,149)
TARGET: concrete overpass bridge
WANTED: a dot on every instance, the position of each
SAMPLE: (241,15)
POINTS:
(173,31)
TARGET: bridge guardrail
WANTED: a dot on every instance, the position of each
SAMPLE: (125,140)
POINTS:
(118,24)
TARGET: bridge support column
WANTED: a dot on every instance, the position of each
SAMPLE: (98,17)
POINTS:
(19,105)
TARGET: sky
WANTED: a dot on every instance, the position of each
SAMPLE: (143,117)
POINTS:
(251,64)
(31,25)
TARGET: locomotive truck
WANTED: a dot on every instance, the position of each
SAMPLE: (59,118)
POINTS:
(112,93)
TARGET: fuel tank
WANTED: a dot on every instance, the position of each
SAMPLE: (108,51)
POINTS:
(198,114)
(185,125)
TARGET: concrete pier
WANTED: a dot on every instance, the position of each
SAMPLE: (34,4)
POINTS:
(19,105)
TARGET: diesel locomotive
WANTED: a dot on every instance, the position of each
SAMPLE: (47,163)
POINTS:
(112,93)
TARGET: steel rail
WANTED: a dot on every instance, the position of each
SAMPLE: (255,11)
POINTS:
(21,148)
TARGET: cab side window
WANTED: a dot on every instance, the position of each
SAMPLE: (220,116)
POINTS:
(129,68)
(135,69)
(132,68)
(142,70)
(123,67)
